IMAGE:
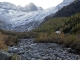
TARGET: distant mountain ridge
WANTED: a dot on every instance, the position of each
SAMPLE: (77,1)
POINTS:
(17,18)
(7,5)
(10,6)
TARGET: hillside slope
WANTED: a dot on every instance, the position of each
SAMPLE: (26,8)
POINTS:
(69,27)
(69,10)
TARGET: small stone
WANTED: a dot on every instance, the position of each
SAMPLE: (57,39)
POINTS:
(39,59)
(52,58)
(32,59)
(46,58)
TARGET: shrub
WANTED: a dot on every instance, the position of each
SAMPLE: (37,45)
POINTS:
(2,45)
(76,44)
(45,38)
(41,37)
(11,40)
(69,40)
(2,41)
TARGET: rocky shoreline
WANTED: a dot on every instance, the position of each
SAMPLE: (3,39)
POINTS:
(28,50)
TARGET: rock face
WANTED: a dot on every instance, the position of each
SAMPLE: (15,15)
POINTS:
(5,56)
(28,50)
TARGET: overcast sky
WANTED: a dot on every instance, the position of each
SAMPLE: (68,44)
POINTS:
(42,3)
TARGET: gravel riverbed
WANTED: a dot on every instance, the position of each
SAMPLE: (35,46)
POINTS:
(28,50)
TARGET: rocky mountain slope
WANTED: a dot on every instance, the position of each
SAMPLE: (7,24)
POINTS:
(64,3)
(69,10)
(17,18)
(58,7)
(66,20)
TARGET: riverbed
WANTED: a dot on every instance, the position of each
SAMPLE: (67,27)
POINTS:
(28,50)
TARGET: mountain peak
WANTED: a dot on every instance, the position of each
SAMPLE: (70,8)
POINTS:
(31,3)
(31,7)
(7,5)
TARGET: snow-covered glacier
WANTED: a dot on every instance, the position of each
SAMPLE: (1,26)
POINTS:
(14,18)
(21,20)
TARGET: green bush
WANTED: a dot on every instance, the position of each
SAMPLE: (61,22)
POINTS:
(19,34)
(41,37)
(76,44)
(69,40)
(45,38)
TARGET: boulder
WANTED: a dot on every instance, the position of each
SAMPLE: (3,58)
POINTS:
(58,32)
(5,56)
(12,50)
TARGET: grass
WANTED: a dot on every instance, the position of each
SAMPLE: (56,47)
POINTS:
(2,41)
(7,40)
(15,56)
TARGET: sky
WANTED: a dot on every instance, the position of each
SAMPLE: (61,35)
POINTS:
(41,3)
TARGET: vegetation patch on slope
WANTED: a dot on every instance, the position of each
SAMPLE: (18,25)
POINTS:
(69,27)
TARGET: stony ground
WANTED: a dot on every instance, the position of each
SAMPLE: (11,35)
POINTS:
(28,50)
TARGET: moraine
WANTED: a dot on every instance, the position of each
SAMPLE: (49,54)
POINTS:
(28,50)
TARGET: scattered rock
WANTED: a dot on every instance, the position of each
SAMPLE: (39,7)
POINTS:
(32,59)
(28,50)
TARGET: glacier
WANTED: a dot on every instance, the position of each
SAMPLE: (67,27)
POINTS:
(16,18)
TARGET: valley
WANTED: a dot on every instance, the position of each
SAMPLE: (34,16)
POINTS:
(34,33)
(20,19)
